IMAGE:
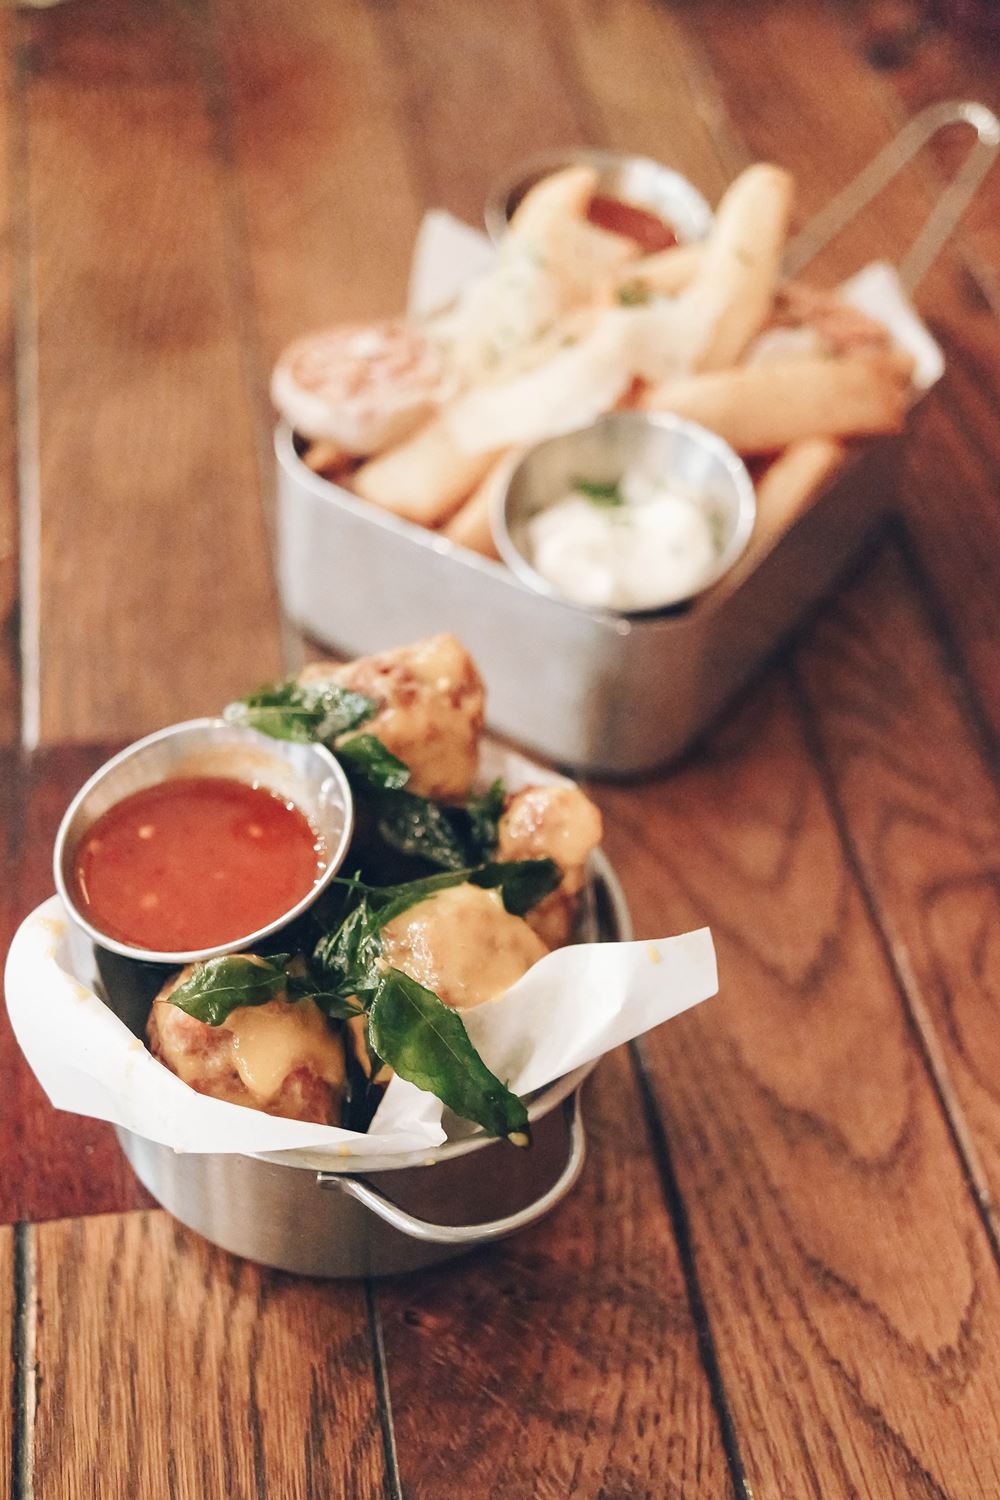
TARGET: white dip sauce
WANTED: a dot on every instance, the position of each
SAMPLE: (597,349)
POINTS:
(638,546)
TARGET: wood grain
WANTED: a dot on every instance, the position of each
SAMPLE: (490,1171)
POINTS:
(7,1382)
(156,598)
(9,653)
(923,816)
(516,59)
(321,164)
(171,1369)
(564,1362)
(849,1281)
(54,1164)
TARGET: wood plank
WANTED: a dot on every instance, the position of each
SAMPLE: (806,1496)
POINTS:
(923,815)
(848,1278)
(318,132)
(565,1361)
(7,1381)
(645,91)
(10,708)
(55,1164)
(152,532)
(168,1368)
(516,56)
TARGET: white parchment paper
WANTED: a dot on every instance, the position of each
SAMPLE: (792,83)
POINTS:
(573,1006)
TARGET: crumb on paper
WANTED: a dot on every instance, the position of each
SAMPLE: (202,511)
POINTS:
(431,1161)
(55,926)
(655,956)
(343,1150)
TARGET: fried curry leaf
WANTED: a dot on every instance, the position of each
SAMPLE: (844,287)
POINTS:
(416,825)
(392,900)
(369,764)
(338,1007)
(221,985)
(521,882)
(292,710)
(484,820)
(345,962)
(426,1043)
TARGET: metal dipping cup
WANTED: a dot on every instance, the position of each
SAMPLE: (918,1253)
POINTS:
(688,458)
(306,774)
(634,179)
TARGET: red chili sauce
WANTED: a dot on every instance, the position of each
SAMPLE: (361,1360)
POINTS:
(649,231)
(195,862)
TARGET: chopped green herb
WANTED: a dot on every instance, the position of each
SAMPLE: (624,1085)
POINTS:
(634,294)
(600,492)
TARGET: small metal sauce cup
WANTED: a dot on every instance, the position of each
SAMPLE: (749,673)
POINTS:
(634,179)
(306,774)
(692,460)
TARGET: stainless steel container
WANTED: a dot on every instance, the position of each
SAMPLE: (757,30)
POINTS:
(603,693)
(307,774)
(652,444)
(386,1215)
(635,179)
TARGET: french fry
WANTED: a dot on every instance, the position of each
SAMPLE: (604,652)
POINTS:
(470,525)
(556,198)
(763,408)
(785,491)
(661,275)
(423,478)
(739,269)
(324,457)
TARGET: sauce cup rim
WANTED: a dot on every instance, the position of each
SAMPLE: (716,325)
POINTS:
(746,511)
(276,748)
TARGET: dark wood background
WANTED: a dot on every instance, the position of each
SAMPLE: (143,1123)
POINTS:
(779,1275)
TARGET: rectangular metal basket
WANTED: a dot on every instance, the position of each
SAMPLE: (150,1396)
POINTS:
(604,693)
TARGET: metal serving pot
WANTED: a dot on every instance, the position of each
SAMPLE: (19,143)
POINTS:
(321,1220)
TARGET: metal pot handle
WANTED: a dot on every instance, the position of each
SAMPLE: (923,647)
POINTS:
(467,1234)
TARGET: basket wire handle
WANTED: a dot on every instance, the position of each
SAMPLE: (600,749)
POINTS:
(885,166)
(472,1234)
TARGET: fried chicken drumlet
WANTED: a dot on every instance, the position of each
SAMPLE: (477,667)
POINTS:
(460,943)
(280,1058)
(559,823)
(430,712)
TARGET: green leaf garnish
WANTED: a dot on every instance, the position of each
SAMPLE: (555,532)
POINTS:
(338,1007)
(600,492)
(521,882)
(292,710)
(345,962)
(484,815)
(366,760)
(392,900)
(424,1041)
(416,825)
(222,985)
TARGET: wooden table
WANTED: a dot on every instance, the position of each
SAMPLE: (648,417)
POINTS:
(780,1272)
